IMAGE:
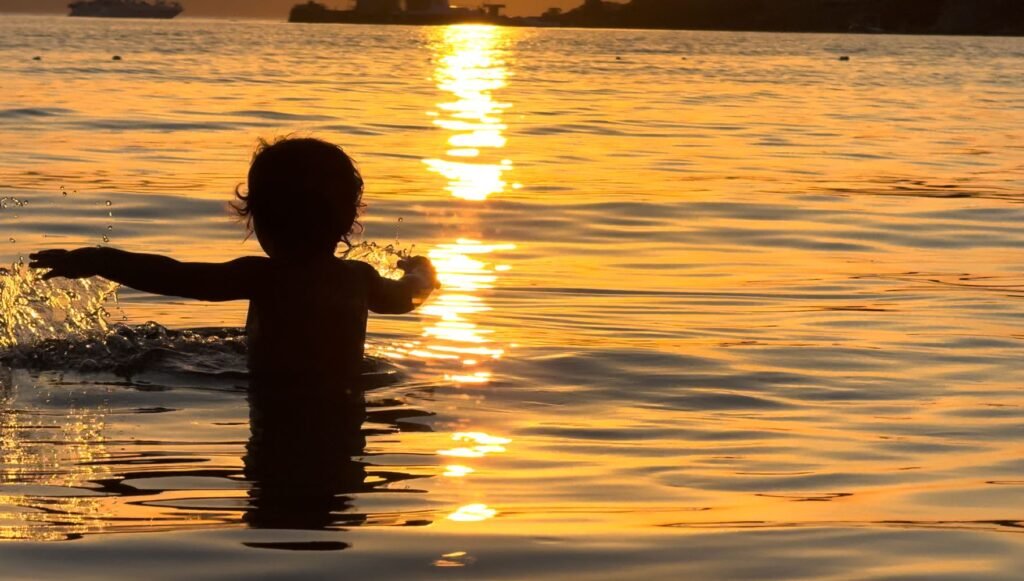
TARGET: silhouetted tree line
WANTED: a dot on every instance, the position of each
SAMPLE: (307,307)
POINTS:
(898,16)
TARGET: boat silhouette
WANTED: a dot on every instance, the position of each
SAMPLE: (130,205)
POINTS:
(125,9)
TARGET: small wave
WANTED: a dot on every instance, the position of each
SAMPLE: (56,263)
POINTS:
(127,350)
(154,125)
(33,112)
(279,116)
(133,350)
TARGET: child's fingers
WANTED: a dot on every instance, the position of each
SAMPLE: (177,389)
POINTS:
(42,263)
(46,258)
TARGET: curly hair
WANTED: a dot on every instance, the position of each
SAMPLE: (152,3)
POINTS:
(303,196)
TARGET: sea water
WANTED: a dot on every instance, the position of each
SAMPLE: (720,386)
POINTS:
(714,305)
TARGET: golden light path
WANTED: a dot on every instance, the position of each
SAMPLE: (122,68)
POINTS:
(471,68)
(452,333)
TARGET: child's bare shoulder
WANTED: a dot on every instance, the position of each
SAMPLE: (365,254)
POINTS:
(252,260)
(249,264)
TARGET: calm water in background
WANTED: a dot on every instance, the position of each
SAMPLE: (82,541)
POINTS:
(715,304)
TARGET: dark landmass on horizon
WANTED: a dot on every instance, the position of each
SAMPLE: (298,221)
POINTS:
(964,17)
(270,9)
(890,16)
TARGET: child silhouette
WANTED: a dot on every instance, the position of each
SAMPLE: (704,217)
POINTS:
(307,307)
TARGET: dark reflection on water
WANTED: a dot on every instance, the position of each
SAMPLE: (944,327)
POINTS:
(301,458)
(84,454)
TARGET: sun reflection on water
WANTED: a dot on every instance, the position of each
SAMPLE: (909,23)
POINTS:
(480,445)
(457,471)
(471,69)
(451,332)
(454,559)
(473,513)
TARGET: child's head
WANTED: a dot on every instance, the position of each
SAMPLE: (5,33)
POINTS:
(303,197)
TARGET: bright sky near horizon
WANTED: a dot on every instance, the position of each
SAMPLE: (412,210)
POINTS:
(276,8)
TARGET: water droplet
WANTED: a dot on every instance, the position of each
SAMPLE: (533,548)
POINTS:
(109,203)
(110,227)
(13,240)
(65,194)
(401,219)
(105,238)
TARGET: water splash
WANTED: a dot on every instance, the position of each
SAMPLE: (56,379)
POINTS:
(34,310)
(8,201)
(383,257)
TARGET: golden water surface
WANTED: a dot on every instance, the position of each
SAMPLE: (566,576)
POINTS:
(712,304)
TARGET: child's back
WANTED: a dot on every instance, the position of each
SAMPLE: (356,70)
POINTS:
(310,317)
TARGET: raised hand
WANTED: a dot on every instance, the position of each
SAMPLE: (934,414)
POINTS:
(78,263)
(420,266)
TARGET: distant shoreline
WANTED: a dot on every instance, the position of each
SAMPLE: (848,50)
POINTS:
(917,17)
(664,29)
(532,23)
(187,18)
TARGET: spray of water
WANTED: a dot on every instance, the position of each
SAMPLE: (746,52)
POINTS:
(383,257)
(34,310)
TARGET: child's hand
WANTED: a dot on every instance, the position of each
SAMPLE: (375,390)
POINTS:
(421,267)
(79,263)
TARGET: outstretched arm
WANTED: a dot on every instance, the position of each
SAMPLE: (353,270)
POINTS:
(153,273)
(397,297)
